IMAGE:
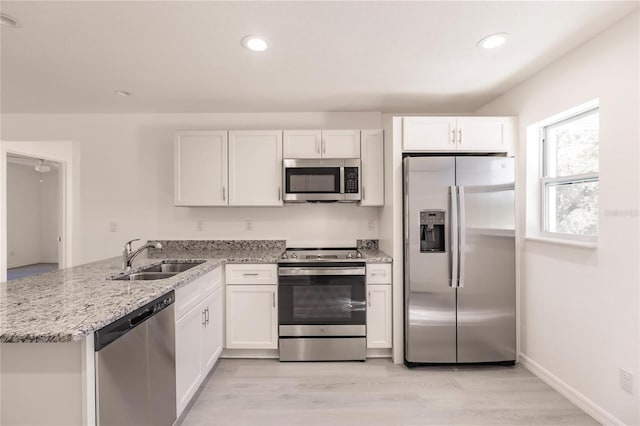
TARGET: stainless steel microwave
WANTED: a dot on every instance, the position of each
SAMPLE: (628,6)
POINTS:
(321,180)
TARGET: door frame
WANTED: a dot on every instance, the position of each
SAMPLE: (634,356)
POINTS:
(57,151)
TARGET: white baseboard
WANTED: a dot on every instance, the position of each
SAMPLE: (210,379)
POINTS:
(251,353)
(585,404)
(378,353)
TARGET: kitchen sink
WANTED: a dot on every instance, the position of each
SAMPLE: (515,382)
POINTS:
(146,276)
(166,269)
(174,267)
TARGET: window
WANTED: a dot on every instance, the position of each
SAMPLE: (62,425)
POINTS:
(569,184)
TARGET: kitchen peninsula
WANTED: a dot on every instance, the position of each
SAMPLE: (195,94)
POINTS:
(62,310)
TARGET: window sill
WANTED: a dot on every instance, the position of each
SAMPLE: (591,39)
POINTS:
(569,243)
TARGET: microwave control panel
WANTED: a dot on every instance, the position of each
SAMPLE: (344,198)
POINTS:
(351,185)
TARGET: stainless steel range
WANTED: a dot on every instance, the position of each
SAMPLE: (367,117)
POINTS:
(322,305)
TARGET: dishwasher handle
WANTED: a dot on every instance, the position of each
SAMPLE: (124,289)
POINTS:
(141,317)
(118,328)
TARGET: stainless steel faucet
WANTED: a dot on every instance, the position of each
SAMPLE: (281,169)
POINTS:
(128,255)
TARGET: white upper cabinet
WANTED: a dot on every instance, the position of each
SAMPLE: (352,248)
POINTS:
(372,162)
(255,168)
(487,134)
(201,168)
(341,144)
(322,144)
(302,143)
(461,134)
(429,134)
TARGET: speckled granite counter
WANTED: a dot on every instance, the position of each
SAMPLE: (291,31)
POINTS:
(69,304)
(375,256)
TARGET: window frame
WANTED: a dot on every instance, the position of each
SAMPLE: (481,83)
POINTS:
(547,181)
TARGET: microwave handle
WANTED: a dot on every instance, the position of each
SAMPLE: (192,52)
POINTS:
(342,179)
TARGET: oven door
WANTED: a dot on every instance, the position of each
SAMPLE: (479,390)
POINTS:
(322,300)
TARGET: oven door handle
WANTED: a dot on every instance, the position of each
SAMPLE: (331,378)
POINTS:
(292,271)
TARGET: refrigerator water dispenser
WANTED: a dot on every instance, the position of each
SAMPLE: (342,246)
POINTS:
(432,231)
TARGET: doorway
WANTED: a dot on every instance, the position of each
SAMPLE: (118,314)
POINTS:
(60,154)
(33,216)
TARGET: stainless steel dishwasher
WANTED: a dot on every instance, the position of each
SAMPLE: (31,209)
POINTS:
(135,367)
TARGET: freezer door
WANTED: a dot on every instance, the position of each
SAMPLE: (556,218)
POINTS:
(430,320)
(486,296)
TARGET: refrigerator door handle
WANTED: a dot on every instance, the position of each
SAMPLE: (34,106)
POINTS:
(454,236)
(463,237)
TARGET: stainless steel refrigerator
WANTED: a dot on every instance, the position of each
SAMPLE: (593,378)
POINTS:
(459,283)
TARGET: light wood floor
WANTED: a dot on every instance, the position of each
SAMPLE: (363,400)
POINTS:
(376,392)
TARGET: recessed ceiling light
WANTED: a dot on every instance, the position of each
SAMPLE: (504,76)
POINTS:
(255,43)
(493,41)
(7,20)
(123,93)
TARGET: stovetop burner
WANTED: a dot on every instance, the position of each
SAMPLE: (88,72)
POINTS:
(321,255)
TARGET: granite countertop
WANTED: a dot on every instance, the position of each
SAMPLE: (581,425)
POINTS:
(375,256)
(69,304)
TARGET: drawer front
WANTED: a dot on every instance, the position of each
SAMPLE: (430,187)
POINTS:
(378,273)
(251,274)
(188,296)
(213,281)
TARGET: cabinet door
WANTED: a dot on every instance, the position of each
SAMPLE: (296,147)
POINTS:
(188,356)
(212,331)
(429,134)
(372,159)
(341,144)
(252,320)
(486,134)
(200,168)
(378,316)
(255,168)
(301,143)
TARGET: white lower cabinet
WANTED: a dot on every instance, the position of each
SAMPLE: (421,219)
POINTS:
(252,306)
(198,334)
(252,317)
(212,332)
(379,315)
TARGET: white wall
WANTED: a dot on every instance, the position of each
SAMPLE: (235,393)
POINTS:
(49,215)
(126,180)
(579,307)
(23,215)
(32,215)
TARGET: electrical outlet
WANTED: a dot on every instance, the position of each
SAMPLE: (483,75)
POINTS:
(113,226)
(248,225)
(626,381)
(199,226)
(372,225)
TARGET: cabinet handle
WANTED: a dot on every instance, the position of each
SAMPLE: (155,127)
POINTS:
(207,316)
(369,298)
(274,298)
(224,194)
(246,274)
(204,318)
(460,136)
(453,136)
(279,195)
(317,146)
(324,147)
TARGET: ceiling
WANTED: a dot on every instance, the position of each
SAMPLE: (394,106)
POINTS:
(186,56)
